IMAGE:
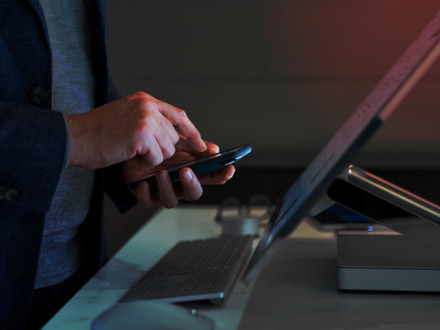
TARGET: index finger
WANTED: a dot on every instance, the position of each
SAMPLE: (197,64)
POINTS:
(183,125)
(184,145)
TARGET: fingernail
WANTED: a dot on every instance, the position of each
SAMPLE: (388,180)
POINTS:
(187,176)
(145,189)
(163,177)
(204,146)
(215,148)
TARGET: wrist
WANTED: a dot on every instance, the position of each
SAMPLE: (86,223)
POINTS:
(73,129)
(66,161)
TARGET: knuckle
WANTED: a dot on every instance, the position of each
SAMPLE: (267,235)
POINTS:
(174,138)
(134,149)
(181,114)
(156,158)
(142,102)
(141,133)
(168,152)
(146,105)
(137,97)
(151,158)
(140,94)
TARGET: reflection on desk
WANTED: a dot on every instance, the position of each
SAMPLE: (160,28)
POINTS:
(297,289)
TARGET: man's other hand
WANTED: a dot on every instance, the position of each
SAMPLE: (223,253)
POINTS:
(190,187)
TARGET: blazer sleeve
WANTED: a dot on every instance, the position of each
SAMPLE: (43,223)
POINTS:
(32,154)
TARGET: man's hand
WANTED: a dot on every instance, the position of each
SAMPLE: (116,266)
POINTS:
(190,188)
(136,127)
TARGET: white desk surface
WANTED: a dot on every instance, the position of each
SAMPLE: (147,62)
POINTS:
(297,289)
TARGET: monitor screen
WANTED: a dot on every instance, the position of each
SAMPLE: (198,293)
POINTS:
(349,139)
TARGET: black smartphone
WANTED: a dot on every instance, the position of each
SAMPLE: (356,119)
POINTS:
(199,166)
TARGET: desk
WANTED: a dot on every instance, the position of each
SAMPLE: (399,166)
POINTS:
(297,289)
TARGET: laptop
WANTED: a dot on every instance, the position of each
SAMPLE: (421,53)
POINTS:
(304,197)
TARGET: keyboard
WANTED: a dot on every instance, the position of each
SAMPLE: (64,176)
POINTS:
(203,269)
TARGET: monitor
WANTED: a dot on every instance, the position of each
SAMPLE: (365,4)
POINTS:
(348,140)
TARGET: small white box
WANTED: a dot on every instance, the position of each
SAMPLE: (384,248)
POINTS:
(386,261)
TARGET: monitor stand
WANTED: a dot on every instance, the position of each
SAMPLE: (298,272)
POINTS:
(406,258)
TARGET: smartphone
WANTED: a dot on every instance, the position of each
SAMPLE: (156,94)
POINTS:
(199,166)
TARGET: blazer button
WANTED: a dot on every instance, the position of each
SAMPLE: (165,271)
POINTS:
(8,194)
(11,194)
(39,95)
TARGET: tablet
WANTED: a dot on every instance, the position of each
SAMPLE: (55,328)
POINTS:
(199,166)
